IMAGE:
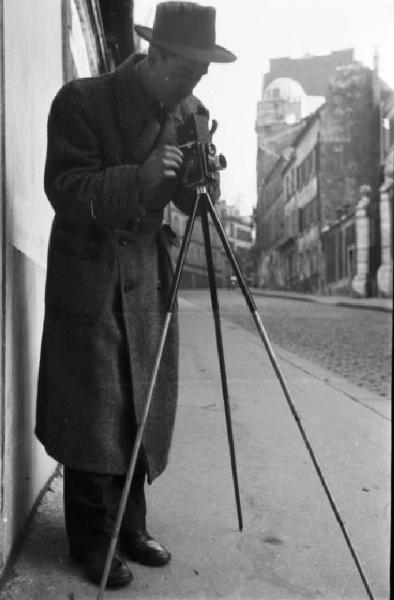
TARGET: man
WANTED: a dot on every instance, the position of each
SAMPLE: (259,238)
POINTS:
(112,166)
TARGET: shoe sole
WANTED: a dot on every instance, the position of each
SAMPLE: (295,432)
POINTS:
(146,561)
(112,585)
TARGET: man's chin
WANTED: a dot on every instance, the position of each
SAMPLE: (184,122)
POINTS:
(170,104)
(175,100)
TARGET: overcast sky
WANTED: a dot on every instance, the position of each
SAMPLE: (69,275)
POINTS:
(257,30)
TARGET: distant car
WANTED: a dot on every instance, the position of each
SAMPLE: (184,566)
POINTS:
(232,281)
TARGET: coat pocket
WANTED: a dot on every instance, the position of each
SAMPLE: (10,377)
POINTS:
(76,245)
(78,276)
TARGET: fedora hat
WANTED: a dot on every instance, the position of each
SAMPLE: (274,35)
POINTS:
(186,29)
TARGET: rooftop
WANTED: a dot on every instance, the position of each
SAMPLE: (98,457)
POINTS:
(312,72)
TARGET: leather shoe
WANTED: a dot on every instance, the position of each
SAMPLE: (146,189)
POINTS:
(140,547)
(119,573)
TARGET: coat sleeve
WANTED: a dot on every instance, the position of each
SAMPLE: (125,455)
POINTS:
(77,184)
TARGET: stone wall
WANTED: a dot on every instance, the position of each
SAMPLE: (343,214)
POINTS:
(349,152)
(348,141)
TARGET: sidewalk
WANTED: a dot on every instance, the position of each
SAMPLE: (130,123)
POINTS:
(385,304)
(291,547)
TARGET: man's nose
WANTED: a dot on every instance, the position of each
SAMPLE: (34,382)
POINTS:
(198,76)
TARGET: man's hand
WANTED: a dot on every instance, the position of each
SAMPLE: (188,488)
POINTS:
(163,163)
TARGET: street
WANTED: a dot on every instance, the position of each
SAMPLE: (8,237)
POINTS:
(291,546)
(353,343)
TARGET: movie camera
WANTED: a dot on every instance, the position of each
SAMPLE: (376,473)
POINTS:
(201,161)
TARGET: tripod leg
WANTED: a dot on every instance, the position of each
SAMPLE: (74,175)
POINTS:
(249,299)
(141,427)
(219,344)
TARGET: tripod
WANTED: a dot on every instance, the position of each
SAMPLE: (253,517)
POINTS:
(204,202)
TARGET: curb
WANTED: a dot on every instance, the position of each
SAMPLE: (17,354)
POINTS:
(324,300)
(365,306)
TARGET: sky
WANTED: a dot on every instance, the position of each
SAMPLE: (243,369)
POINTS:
(257,30)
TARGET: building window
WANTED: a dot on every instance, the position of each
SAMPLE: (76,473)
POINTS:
(307,263)
(300,220)
(329,251)
(294,225)
(306,170)
(276,93)
(289,190)
(337,157)
(244,235)
(339,253)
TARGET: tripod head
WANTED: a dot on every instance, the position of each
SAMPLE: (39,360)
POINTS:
(200,189)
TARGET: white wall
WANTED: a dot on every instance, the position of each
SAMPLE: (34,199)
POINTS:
(33,72)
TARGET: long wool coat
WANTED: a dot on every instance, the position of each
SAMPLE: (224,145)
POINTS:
(108,277)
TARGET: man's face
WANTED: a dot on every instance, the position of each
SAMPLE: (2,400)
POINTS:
(176,78)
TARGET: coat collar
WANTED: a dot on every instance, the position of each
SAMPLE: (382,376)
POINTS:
(134,104)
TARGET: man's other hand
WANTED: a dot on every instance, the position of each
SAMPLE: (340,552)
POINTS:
(163,163)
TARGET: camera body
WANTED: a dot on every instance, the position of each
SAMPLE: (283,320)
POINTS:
(201,161)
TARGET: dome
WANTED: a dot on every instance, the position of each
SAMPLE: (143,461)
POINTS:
(285,88)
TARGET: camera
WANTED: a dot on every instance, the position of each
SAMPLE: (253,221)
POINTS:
(201,160)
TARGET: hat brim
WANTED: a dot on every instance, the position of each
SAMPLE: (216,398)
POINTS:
(216,54)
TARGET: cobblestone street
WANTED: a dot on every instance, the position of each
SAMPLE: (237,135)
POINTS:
(352,342)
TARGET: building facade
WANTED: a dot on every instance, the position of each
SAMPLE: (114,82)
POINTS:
(330,177)
(194,274)
(292,89)
(288,216)
(240,233)
(43,43)
(270,228)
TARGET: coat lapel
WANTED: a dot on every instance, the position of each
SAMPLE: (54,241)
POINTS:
(132,102)
(137,113)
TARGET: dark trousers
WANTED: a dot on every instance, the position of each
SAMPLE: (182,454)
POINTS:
(91,502)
